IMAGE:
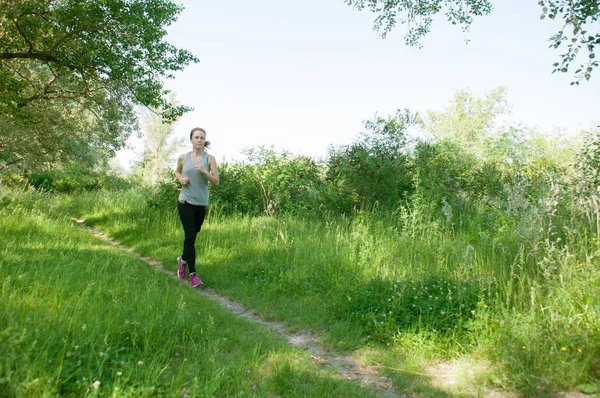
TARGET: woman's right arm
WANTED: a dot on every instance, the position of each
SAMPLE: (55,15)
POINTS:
(178,170)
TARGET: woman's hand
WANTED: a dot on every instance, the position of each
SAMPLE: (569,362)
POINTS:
(201,169)
(184,180)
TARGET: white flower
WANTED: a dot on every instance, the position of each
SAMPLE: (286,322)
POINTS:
(83,327)
(96,384)
(140,363)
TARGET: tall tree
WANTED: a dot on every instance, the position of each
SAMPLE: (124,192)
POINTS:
(159,144)
(72,71)
(467,117)
(578,16)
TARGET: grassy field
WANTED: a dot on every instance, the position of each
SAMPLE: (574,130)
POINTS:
(405,294)
(81,318)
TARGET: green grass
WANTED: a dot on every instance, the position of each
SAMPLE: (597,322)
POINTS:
(403,291)
(80,317)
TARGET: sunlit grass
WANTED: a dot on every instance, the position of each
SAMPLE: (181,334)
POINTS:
(410,291)
(82,318)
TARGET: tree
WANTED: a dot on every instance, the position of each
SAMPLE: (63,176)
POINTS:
(577,15)
(72,71)
(466,118)
(159,145)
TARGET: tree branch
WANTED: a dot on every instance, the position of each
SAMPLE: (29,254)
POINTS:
(30,55)
(8,164)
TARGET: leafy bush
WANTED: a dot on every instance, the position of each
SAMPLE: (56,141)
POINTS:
(67,181)
(375,168)
(238,190)
(271,183)
(588,163)
(163,196)
(445,171)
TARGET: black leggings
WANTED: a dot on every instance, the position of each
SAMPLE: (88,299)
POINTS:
(191,217)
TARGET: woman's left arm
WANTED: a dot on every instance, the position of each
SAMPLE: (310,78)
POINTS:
(213,173)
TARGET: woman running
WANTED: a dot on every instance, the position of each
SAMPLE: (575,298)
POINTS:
(194,171)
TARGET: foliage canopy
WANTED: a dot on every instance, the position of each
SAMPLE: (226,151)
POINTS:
(578,17)
(71,72)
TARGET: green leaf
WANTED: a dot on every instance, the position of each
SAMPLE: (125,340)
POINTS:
(588,388)
(494,379)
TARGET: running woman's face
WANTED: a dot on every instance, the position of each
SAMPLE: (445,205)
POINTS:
(198,139)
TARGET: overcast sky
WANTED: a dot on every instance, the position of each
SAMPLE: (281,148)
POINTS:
(304,75)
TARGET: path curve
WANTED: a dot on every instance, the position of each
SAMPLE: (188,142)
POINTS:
(346,365)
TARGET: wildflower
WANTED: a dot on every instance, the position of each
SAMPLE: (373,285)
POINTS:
(83,327)
(140,363)
(485,306)
(524,347)
(579,350)
(101,354)
(564,349)
(96,384)
(76,347)
(119,373)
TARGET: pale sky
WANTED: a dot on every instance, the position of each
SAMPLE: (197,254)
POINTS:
(303,75)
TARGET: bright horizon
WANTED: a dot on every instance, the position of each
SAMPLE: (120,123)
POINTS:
(303,76)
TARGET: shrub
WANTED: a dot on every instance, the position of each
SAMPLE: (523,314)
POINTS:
(375,168)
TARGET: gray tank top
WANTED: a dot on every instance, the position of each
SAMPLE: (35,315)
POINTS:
(196,191)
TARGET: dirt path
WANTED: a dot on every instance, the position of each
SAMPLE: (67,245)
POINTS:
(347,366)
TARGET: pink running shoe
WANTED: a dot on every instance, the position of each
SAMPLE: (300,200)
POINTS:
(182,271)
(195,280)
